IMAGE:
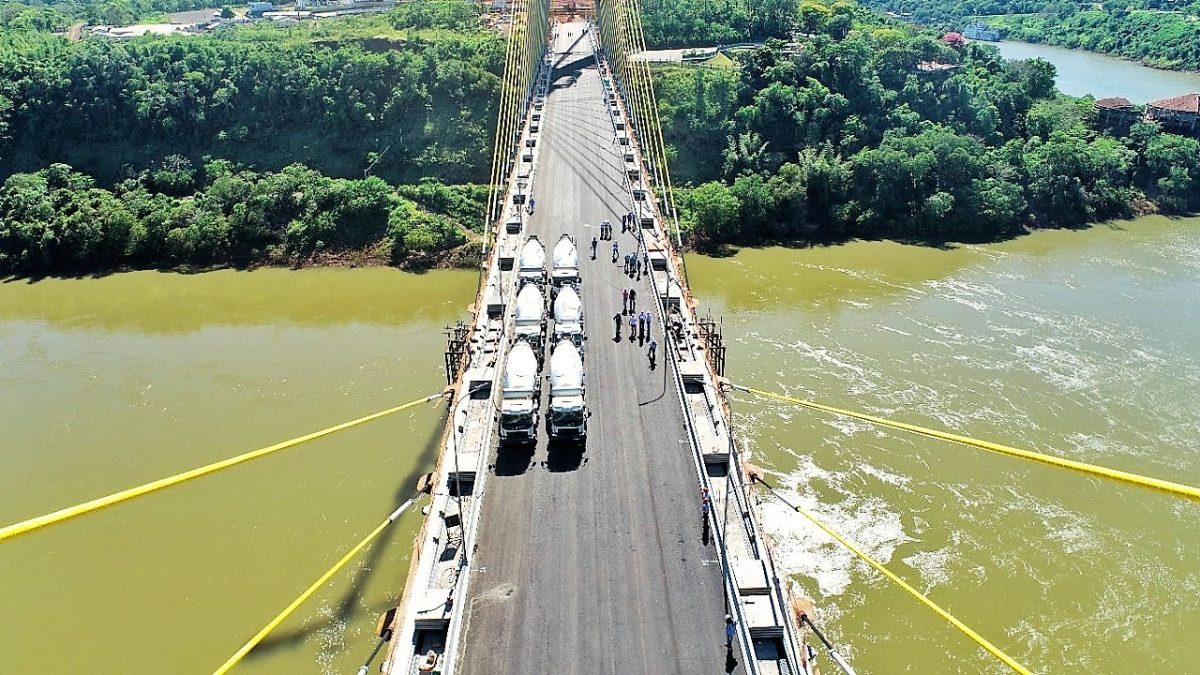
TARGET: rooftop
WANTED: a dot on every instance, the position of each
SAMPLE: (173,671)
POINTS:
(935,66)
(1115,103)
(1189,103)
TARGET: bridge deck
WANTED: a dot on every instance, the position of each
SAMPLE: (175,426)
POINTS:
(592,561)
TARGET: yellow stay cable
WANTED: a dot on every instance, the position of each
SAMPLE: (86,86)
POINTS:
(1176,489)
(662,143)
(316,585)
(124,495)
(497,192)
(966,630)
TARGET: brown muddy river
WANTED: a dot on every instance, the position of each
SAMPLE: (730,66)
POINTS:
(1081,344)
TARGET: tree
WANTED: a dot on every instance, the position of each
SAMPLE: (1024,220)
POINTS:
(714,212)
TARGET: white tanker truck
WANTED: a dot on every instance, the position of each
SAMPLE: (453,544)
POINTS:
(568,412)
(522,390)
(566,261)
(530,317)
(531,266)
(568,317)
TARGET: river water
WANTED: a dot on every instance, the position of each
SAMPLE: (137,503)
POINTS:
(1078,343)
(108,383)
(1083,73)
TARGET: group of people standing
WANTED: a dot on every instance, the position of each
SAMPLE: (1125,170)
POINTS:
(639,322)
(629,222)
(634,264)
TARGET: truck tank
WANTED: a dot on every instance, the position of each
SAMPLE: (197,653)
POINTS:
(530,318)
(566,260)
(568,412)
(532,262)
(568,315)
(519,402)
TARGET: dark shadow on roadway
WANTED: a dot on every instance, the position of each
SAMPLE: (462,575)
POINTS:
(573,68)
(350,601)
(731,663)
(513,459)
(564,456)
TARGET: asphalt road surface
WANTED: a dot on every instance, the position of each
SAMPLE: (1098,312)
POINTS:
(590,559)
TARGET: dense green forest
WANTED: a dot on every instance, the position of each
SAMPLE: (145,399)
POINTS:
(1164,33)
(58,220)
(302,134)
(411,102)
(698,23)
(58,15)
(849,137)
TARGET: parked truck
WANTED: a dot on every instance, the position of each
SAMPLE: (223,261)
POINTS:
(568,317)
(566,261)
(568,412)
(530,316)
(520,396)
(531,266)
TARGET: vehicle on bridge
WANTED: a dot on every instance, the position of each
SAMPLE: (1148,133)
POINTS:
(568,317)
(566,261)
(521,395)
(568,411)
(531,267)
(530,317)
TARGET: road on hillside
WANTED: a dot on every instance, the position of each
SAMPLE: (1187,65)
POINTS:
(590,560)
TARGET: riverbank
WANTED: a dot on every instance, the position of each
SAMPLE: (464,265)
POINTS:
(1162,40)
(60,222)
(465,257)
(1083,73)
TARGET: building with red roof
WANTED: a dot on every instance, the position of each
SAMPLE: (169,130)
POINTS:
(1177,112)
(1115,113)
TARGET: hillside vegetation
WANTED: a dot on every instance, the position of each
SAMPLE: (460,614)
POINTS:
(837,137)
(1162,33)
(252,144)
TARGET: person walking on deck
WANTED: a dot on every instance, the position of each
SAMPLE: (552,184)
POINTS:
(632,300)
(594,242)
(617,321)
(653,353)
(632,327)
(625,301)
(616,251)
